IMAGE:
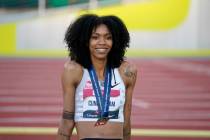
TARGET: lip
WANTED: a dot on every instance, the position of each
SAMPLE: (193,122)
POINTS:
(101,48)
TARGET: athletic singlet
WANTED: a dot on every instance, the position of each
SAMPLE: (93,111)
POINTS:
(85,100)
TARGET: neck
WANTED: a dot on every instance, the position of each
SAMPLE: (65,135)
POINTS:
(100,66)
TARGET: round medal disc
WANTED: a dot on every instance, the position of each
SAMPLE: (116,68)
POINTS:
(101,121)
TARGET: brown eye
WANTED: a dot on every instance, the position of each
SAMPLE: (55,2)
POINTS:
(94,37)
(109,38)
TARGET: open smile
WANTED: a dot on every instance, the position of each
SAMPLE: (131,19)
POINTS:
(101,50)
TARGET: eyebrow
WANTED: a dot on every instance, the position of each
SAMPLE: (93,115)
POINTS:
(101,34)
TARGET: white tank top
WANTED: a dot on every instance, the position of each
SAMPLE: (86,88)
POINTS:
(85,100)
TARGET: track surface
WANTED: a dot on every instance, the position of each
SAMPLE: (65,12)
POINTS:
(171,94)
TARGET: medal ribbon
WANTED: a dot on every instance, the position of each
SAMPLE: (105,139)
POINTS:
(102,100)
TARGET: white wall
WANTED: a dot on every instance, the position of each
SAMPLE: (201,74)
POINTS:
(204,24)
(42,34)
(193,33)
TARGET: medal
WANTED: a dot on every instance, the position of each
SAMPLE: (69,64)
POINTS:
(101,121)
(102,100)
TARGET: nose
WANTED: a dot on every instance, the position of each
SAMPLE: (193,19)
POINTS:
(101,40)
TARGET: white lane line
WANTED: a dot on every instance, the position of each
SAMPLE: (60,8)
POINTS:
(170,89)
(29,92)
(185,66)
(26,120)
(30,100)
(189,104)
(167,115)
(31,109)
(182,105)
(171,133)
(140,103)
(186,96)
(170,123)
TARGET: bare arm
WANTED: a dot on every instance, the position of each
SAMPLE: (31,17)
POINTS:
(129,73)
(70,78)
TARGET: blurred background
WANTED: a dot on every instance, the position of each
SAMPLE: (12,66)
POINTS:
(170,45)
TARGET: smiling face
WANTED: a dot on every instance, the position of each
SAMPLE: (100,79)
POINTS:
(100,42)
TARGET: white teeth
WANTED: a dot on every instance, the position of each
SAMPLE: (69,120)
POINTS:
(101,50)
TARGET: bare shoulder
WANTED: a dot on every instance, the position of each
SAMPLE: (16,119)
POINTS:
(128,69)
(72,66)
(72,72)
(128,72)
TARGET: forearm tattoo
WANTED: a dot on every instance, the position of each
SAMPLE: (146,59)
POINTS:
(129,73)
(68,115)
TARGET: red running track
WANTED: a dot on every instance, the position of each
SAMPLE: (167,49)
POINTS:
(170,94)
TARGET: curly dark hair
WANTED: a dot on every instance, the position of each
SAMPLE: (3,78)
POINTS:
(79,32)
